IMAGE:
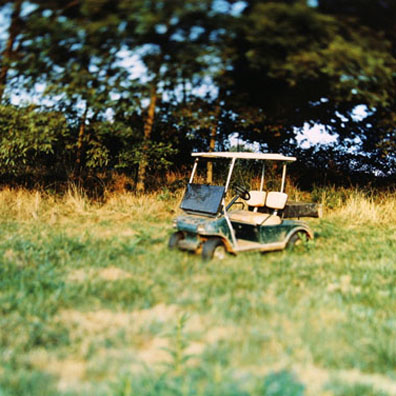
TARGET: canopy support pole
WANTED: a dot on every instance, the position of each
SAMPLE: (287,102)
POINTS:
(229,175)
(262,177)
(283,178)
(194,170)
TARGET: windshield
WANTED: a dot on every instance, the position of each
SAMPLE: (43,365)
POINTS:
(203,198)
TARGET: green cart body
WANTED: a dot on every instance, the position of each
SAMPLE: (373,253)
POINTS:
(211,227)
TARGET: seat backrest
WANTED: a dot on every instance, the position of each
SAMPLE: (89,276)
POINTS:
(276,200)
(257,199)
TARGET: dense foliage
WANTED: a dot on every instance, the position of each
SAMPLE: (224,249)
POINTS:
(134,86)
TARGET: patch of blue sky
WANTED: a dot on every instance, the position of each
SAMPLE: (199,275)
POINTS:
(133,63)
(227,8)
(310,136)
(4,24)
(360,112)
(312,3)
(235,141)
(238,7)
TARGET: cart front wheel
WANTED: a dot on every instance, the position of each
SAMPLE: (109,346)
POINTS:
(174,240)
(213,248)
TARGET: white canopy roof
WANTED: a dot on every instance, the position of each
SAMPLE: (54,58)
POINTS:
(245,155)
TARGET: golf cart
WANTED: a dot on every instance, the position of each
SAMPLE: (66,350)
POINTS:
(250,221)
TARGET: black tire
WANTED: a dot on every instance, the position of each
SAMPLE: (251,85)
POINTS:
(213,248)
(174,240)
(296,239)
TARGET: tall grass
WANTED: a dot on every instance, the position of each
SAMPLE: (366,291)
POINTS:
(355,205)
(26,205)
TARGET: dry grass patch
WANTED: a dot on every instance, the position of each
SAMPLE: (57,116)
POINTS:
(109,274)
(100,323)
(150,348)
(379,382)
(70,372)
(23,205)
(317,378)
(105,322)
(359,206)
(154,352)
(139,208)
(360,209)
(113,274)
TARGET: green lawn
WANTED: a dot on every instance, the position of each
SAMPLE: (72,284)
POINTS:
(92,302)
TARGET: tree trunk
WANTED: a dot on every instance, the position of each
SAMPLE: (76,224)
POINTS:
(9,49)
(80,144)
(148,127)
(212,145)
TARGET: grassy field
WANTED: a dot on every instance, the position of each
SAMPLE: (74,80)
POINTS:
(92,302)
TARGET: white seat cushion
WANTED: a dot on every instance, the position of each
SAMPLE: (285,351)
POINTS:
(255,218)
(257,199)
(276,200)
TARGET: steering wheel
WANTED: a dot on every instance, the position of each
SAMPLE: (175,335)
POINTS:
(242,193)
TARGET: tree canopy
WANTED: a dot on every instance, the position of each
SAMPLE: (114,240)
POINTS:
(134,86)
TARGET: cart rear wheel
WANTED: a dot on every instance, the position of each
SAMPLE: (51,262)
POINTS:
(174,240)
(297,239)
(213,248)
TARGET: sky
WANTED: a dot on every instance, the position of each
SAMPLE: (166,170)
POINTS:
(312,136)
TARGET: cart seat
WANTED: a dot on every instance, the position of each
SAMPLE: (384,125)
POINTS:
(254,218)
(276,200)
(257,199)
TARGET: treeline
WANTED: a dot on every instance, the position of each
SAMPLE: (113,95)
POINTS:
(91,87)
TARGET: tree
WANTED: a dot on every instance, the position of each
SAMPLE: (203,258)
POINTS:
(375,133)
(73,51)
(173,39)
(9,51)
(294,64)
(32,141)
